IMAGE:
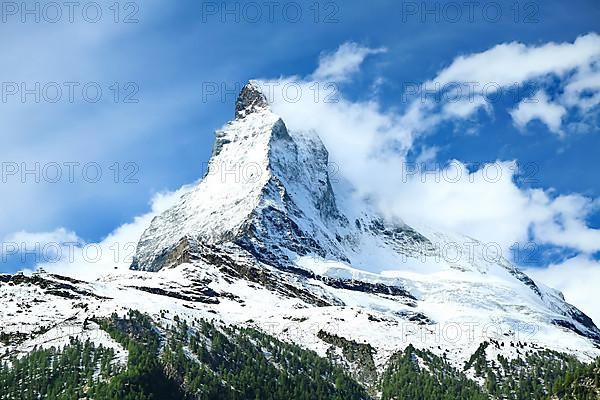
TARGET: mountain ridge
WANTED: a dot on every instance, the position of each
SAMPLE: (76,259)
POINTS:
(285,215)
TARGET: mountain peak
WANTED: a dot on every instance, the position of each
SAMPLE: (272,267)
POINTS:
(267,205)
(250,100)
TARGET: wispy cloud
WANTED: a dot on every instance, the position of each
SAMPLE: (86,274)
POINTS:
(541,108)
(342,63)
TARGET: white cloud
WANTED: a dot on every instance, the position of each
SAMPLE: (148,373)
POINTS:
(88,261)
(427,155)
(568,227)
(488,205)
(578,278)
(539,107)
(345,61)
(583,89)
(511,65)
(30,240)
(39,246)
(515,63)
(464,108)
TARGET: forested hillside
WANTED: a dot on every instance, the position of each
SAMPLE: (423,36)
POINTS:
(203,360)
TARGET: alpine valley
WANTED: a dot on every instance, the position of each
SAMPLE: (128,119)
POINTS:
(270,279)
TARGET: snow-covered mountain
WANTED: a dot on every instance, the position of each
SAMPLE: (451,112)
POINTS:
(268,198)
(268,240)
(268,191)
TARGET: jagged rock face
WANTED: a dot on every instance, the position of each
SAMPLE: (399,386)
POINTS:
(266,189)
(251,99)
(268,197)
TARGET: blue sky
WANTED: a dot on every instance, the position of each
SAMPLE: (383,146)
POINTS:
(166,59)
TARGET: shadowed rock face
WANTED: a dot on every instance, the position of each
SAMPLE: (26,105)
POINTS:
(250,100)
